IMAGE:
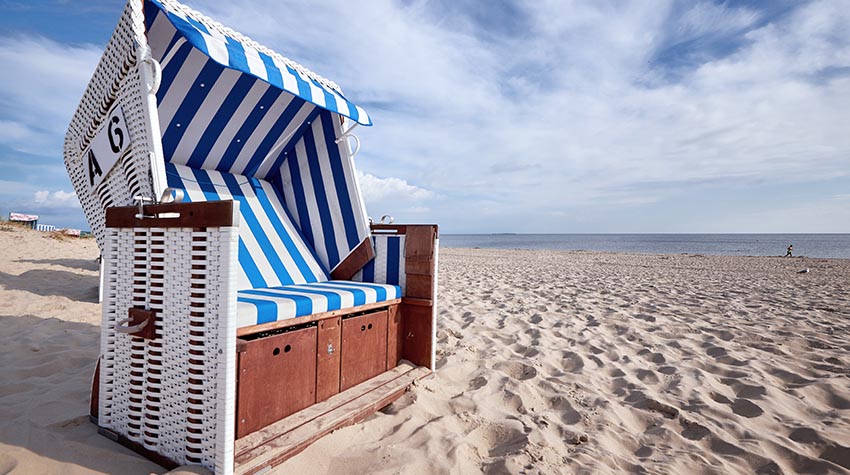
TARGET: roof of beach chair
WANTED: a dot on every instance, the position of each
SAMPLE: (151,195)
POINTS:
(189,91)
(233,50)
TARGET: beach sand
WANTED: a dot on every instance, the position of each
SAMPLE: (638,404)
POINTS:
(547,362)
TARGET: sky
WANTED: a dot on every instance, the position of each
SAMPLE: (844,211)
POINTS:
(537,116)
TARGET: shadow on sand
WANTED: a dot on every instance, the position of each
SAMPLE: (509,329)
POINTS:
(83,264)
(47,282)
(45,380)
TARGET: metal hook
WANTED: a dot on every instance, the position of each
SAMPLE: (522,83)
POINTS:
(172,195)
(348,134)
(142,200)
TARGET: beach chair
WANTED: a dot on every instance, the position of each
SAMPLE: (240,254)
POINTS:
(249,304)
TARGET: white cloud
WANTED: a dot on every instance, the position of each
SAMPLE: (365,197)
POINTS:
(375,189)
(43,82)
(571,112)
(57,199)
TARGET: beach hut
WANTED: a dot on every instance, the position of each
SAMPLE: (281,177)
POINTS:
(28,220)
(249,304)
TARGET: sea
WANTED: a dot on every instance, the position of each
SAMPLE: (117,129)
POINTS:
(809,245)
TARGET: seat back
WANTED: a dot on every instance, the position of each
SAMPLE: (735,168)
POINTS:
(272,251)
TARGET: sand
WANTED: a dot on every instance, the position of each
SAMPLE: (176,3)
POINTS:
(548,362)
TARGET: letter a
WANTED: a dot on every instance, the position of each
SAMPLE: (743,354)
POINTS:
(94,168)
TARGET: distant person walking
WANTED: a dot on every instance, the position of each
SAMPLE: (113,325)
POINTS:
(790,248)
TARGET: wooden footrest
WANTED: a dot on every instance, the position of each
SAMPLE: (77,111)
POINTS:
(278,442)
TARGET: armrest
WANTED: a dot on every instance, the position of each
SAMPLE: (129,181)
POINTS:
(405,255)
(408,253)
(171,393)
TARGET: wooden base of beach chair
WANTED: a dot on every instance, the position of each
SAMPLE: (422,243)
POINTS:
(286,438)
(276,443)
(300,379)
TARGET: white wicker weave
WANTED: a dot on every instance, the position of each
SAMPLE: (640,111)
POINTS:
(185,409)
(121,78)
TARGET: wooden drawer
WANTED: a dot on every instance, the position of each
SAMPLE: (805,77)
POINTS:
(276,378)
(364,348)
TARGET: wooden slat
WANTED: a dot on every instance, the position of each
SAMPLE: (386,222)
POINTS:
(191,215)
(94,407)
(359,257)
(419,302)
(327,358)
(255,442)
(393,337)
(250,330)
(419,286)
(140,449)
(419,248)
(416,324)
(290,443)
(397,228)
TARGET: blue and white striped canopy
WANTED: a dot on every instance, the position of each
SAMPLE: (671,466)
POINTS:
(231,109)
(232,50)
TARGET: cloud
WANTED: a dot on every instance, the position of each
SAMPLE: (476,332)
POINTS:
(57,199)
(588,104)
(552,124)
(43,82)
(374,189)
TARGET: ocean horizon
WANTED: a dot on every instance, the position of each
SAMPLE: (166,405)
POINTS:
(744,244)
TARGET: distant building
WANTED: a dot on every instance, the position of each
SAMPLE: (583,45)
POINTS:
(29,220)
(45,227)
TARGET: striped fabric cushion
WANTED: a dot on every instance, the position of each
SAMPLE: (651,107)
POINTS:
(272,252)
(257,306)
(388,265)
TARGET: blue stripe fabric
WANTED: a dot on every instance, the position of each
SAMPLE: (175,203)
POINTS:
(393,259)
(255,306)
(388,265)
(320,190)
(230,52)
(271,250)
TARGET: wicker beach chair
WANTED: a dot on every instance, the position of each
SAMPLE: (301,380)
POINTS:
(249,304)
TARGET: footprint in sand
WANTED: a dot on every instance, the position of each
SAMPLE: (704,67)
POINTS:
(563,406)
(805,435)
(498,439)
(693,430)
(746,408)
(572,362)
(517,370)
(643,452)
(646,376)
(477,383)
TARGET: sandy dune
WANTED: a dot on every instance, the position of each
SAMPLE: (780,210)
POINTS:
(548,362)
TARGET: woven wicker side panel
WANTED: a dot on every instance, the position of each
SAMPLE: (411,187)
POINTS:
(117,80)
(175,394)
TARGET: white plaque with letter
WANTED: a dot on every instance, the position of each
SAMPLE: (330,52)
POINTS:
(110,142)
